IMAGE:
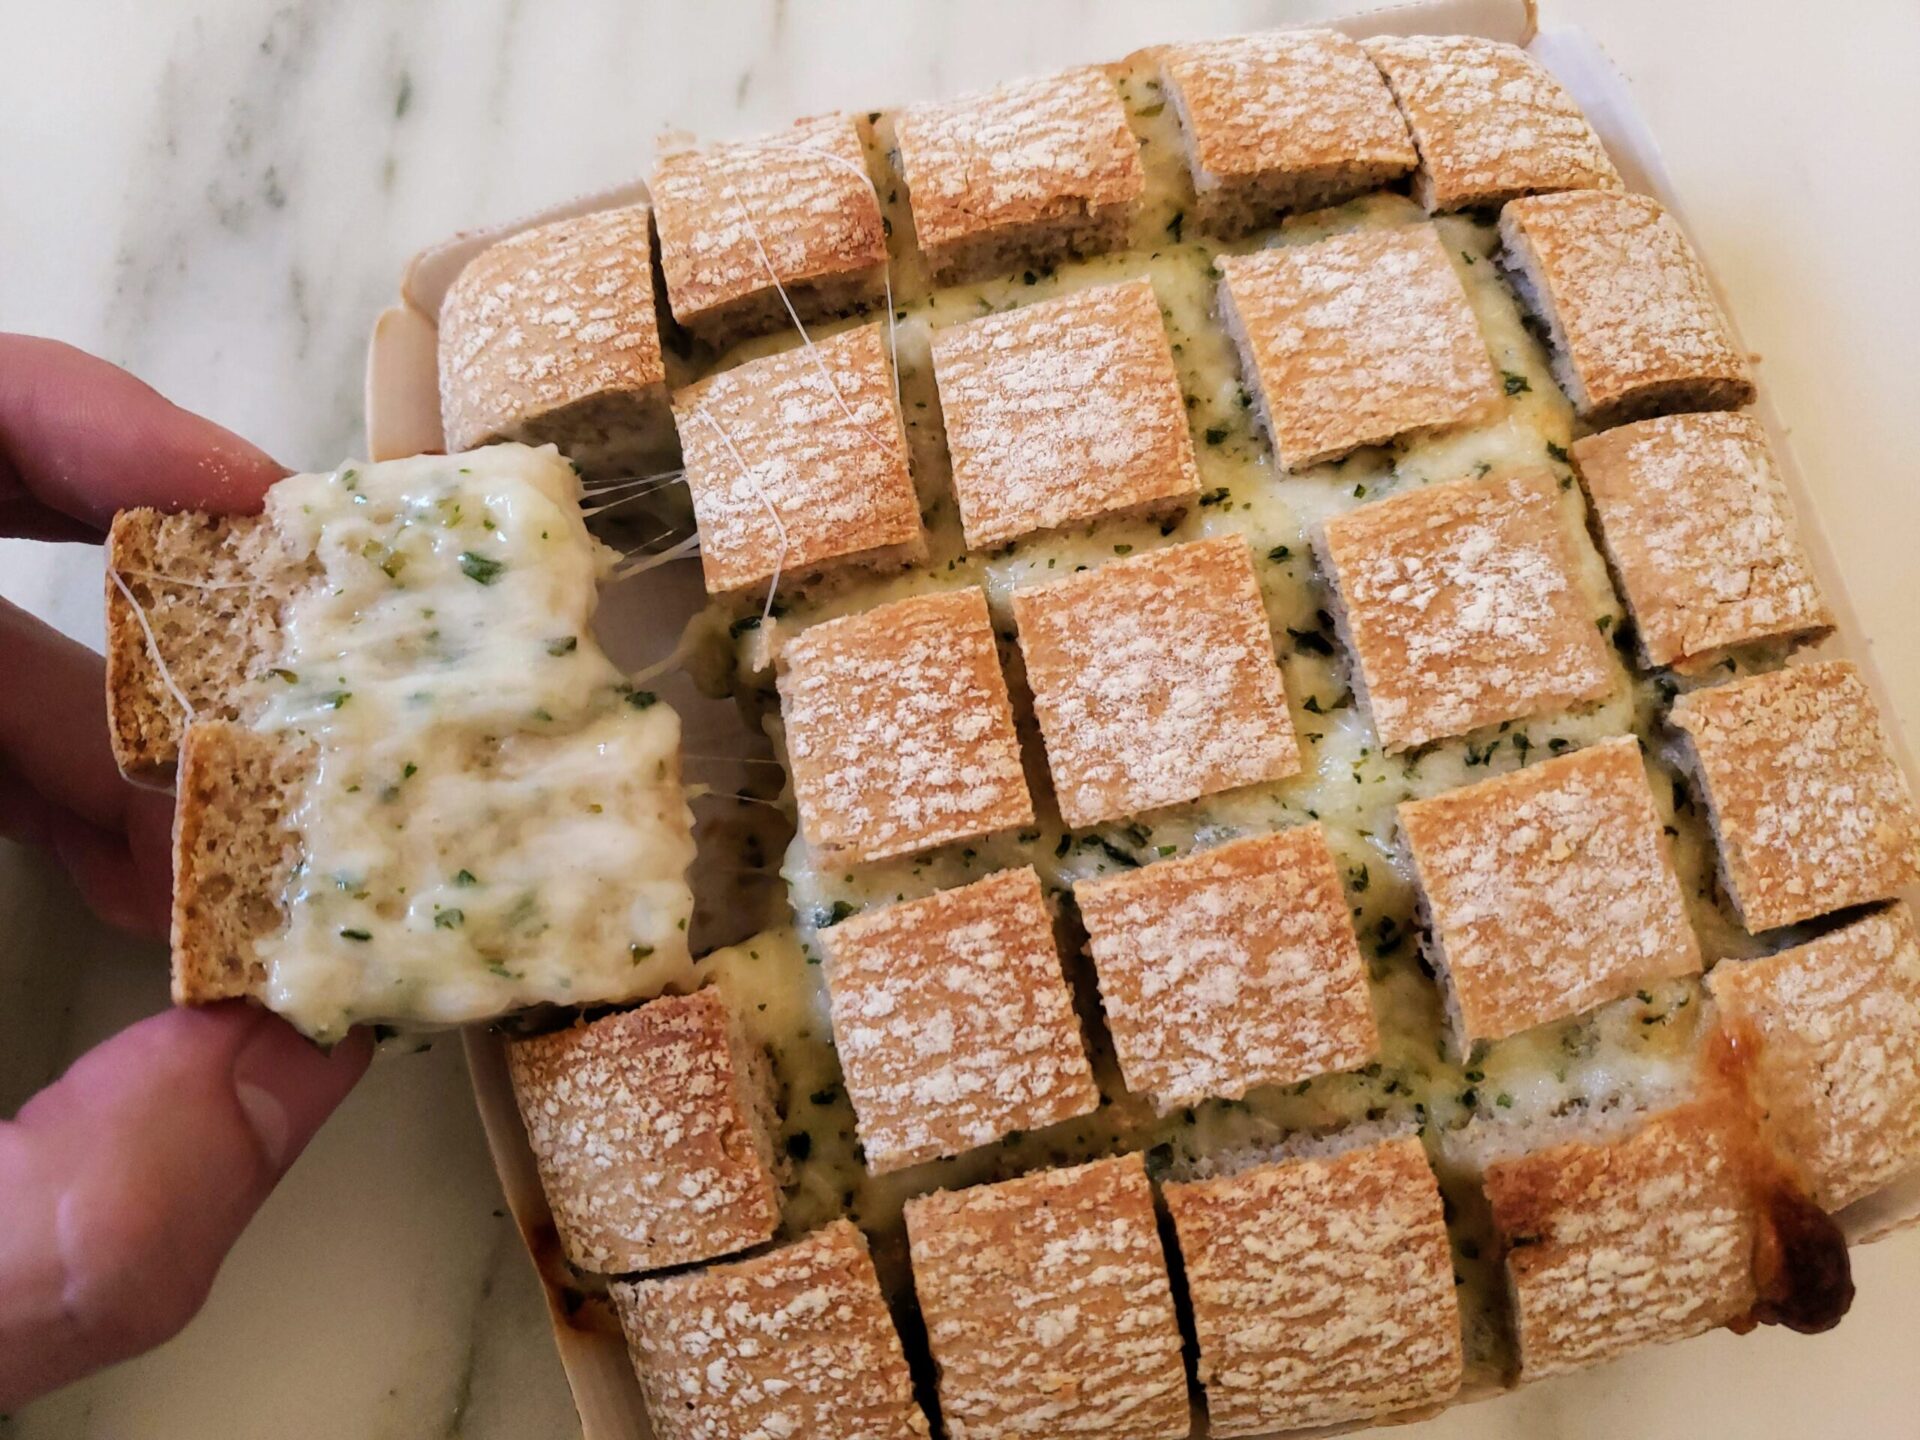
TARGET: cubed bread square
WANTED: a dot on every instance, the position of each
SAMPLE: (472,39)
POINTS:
(1064,412)
(792,1343)
(798,205)
(1355,339)
(550,337)
(1048,1308)
(1615,1244)
(953,1021)
(1283,120)
(1548,890)
(1831,1032)
(1023,174)
(1700,534)
(1636,330)
(1489,121)
(1154,681)
(1321,1289)
(1462,608)
(898,728)
(1810,809)
(653,1129)
(1230,968)
(797,462)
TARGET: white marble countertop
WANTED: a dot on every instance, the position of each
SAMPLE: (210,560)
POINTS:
(220,194)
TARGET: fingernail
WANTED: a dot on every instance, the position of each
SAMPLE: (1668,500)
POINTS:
(267,1118)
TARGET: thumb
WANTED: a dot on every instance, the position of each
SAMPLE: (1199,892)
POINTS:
(126,1181)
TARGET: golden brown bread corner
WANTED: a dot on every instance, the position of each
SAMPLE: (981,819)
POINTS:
(1616,1243)
(210,587)
(1831,1034)
(234,849)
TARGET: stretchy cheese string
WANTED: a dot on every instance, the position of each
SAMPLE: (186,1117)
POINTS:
(886,270)
(153,646)
(159,578)
(746,471)
(639,564)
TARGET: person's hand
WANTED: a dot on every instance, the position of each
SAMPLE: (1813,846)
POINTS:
(124,1183)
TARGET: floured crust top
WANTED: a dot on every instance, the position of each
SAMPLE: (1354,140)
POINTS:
(1638,1241)
(798,204)
(1635,324)
(953,1021)
(1697,524)
(796,1342)
(1230,968)
(898,728)
(1047,1305)
(1460,603)
(1154,681)
(1811,811)
(649,1127)
(1490,122)
(1034,162)
(1282,120)
(1549,890)
(1831,1034)
(547,318)
(1063,412)
(797,461)
(1355,339)
(1322,1289)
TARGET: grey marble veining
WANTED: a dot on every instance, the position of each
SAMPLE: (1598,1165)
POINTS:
(221,195)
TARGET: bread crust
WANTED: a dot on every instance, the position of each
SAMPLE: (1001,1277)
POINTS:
(1064,412)
(1812,813)
(550,336)
(825,480)
(1024,173)
(1698,529)
(1831,1035)
(1230,968)
(1321,1289)
(1283,120)
(1548,890)
(797,204)
(653,1130)
(1355,339)
(1459,601)
(899,730)
(1154,681)
(1636,329)
(795,1342)
(1489,121)
(953,1021)
(1048,1306)
(1637,1241)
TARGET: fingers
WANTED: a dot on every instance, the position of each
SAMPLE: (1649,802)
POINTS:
(80,439)
(54,736)
(127,1180)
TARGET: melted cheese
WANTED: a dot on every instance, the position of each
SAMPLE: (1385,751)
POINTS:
(494,817)
(1629,1053)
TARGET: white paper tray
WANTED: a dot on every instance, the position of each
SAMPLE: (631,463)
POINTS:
(403,418)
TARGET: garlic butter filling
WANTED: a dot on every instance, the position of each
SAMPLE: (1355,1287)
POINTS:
(494,816)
